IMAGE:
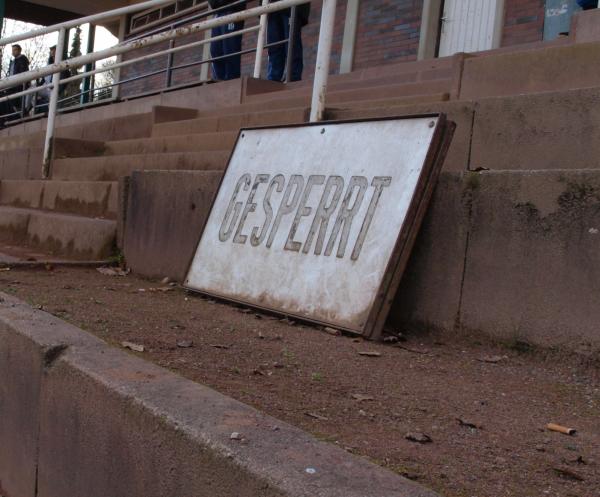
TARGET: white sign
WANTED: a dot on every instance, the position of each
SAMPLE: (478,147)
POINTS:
(308,219)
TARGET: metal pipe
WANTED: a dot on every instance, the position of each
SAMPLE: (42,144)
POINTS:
(290,45)
(260,43)
(53,105)
(158,54)
(33,89)
(152,40)
(87,82)
(349,39)
(94,19)
(317,108)
(169,74)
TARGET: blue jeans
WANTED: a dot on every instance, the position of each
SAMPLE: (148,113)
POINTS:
(278,29)
(228,67)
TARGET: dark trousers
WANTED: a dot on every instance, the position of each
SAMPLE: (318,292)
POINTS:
(227,67)
(278,29)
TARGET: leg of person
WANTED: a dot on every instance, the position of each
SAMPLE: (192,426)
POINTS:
(216,50)
(277,54)
(297,55)
(233,45)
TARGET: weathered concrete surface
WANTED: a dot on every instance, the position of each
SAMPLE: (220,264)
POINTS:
(165,216)
(558,130)
(532,71)
(70,236)
(29,342)
(85,198)
(585,26)
(533,260)
(461,113)
(109,424)
(429,293)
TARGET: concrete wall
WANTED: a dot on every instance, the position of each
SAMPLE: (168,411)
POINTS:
(166,211)
(80,418)
(510,254)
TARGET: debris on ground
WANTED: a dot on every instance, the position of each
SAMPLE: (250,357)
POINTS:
(494,359)
(112,271)
(418,437)
(314,415)
(133,346)
(220,346)
(469,424)
(236,436)
(413,350)
(561,429)
(362,398)
(185,344)
(369,353)
(568,474)
(332,331)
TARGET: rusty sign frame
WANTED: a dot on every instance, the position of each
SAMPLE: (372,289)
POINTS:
(425,185)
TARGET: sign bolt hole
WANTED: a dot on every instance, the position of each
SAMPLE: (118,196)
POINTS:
(323,131)
(431,124)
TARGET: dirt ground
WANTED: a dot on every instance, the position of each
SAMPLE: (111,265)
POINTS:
(486,420)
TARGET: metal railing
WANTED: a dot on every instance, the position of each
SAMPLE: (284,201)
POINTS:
(148,40)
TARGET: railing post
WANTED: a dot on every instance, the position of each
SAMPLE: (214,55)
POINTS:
(205,67)
(317,108)
(116,90)
(260,44)
(290,43)
(349,40)
(53,105)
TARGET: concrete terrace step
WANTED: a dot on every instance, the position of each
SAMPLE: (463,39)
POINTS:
(113,167)
(356,91)
(232,122)
(165,144)
(75,237)
(85,198)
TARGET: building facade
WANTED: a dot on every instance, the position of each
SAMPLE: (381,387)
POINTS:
(386,31)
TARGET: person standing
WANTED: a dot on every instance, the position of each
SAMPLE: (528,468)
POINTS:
(18,64)
(229,66)
(588,4)
(278,30)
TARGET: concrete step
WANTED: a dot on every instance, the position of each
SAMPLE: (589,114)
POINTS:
(113,167)
(117,128)
(223,140)
(357,91)
(74,237)
(232,122)
(84,198)
(386,103)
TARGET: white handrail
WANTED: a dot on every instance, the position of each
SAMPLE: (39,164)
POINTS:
(128,46)
(321,69)
(92,19)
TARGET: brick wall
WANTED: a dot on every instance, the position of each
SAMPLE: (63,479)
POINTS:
(388,32)
(523,22)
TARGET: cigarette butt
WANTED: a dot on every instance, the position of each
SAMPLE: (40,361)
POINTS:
(561,429)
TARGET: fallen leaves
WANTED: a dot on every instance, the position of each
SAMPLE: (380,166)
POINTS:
(493,359)
(133,346)
(314,415)
(362,398)
(418,437)
(112,271)
(369,353)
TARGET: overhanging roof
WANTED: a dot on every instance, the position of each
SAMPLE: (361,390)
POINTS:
(48,12)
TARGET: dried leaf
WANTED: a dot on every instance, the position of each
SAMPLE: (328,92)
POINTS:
(316,416)
(418,437)
(133,346)
(369,353)
(362,398)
